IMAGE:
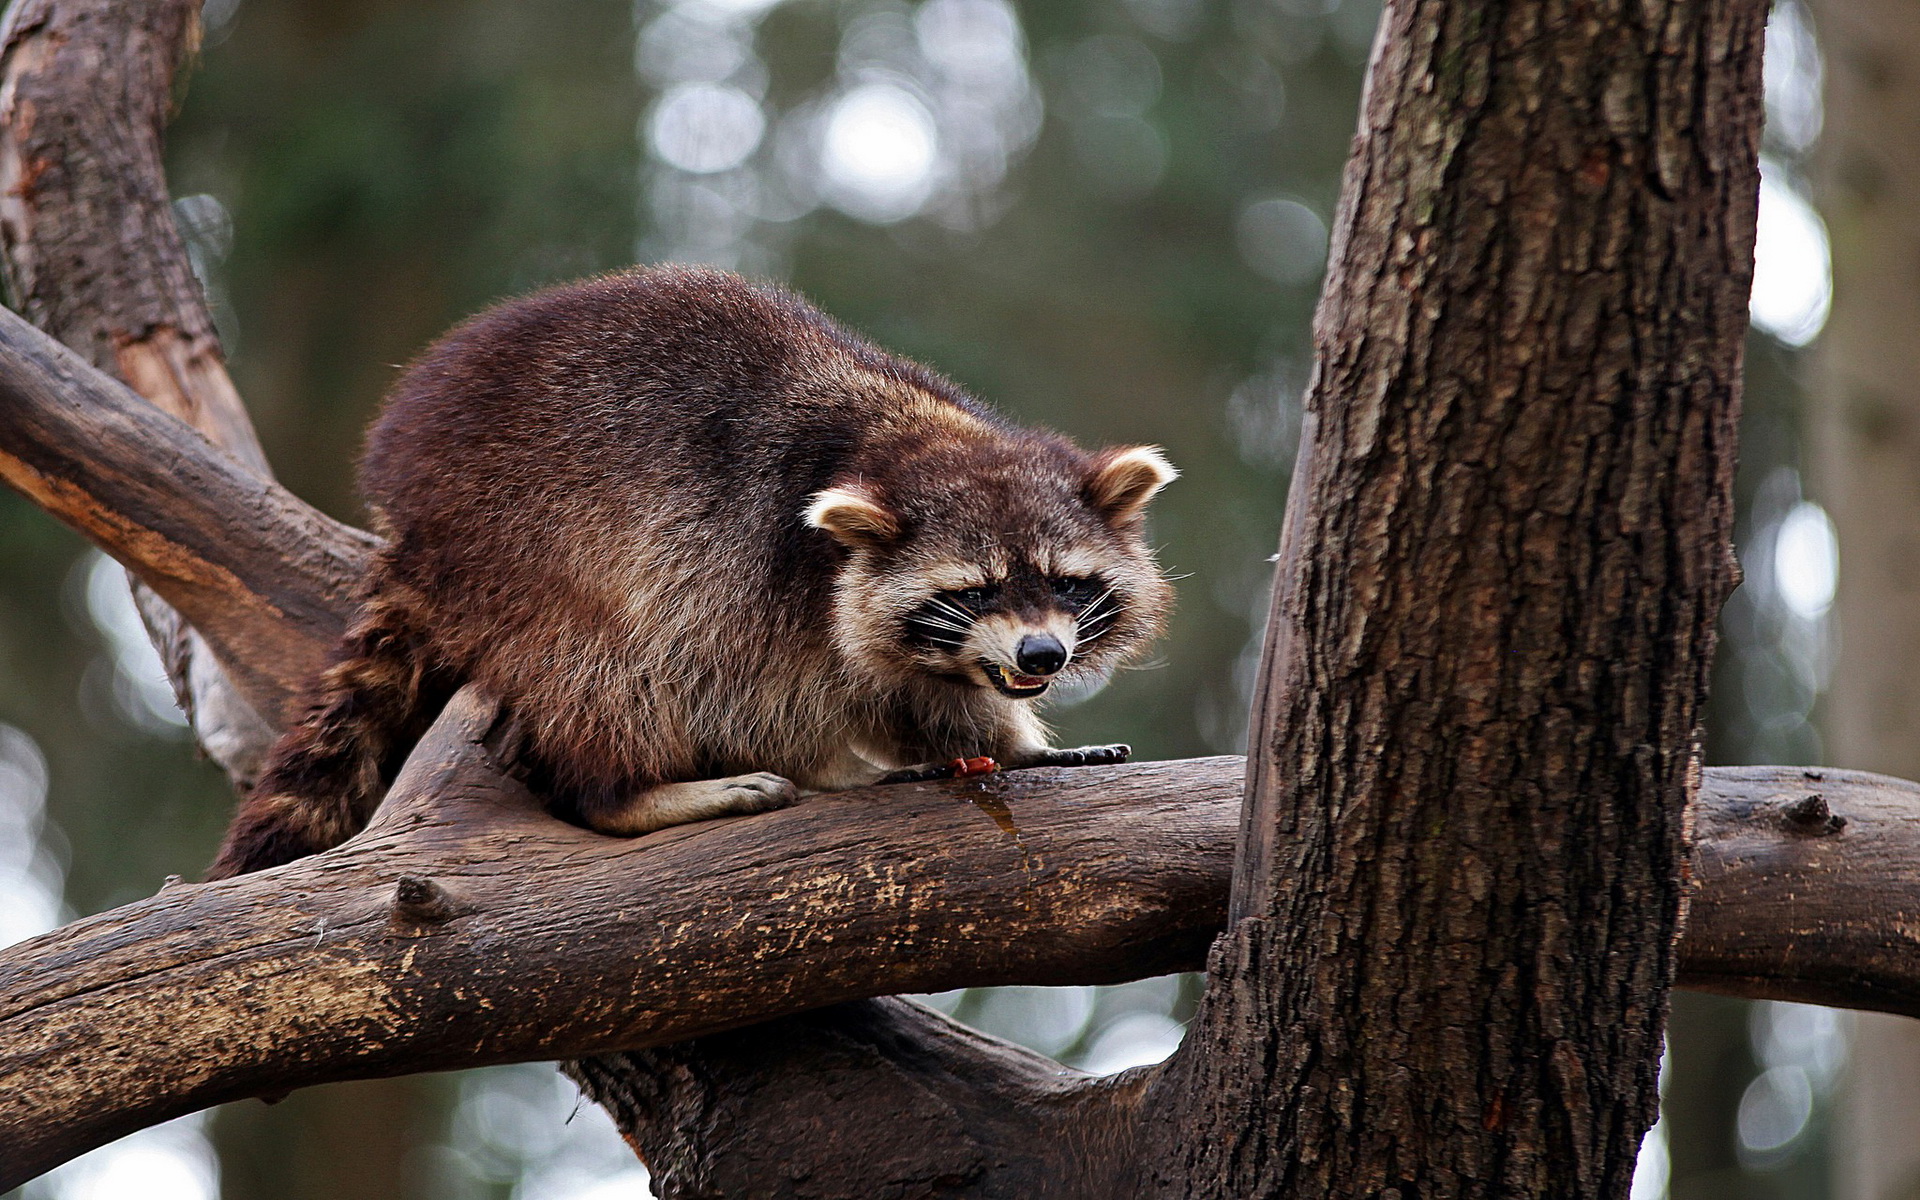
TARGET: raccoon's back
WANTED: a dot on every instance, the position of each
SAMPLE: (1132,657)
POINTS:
(593,497)
(596,402)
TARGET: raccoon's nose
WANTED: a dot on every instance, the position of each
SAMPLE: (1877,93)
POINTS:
(1039,654)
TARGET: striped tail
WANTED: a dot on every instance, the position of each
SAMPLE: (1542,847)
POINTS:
(324,777)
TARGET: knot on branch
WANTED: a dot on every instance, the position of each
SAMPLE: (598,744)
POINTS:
(419,901)
(1811,816)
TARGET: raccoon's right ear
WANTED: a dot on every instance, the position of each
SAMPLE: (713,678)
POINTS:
(853,515)
(1125,479)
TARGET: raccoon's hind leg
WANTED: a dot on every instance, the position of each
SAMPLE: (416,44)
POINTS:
(666,804)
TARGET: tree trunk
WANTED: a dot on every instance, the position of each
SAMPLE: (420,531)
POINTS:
(1867,473)
(1459,874)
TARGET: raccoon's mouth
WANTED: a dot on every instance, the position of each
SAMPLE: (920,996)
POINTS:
(1020,687)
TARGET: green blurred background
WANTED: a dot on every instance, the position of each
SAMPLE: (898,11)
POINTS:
(1109,218)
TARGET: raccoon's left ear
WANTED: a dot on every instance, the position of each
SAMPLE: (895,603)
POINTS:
(1124,480)
(853,515)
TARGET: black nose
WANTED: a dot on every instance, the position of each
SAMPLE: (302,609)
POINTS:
(1039,654)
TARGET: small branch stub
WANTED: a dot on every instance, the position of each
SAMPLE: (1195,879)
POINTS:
(420,901)
(1810,815)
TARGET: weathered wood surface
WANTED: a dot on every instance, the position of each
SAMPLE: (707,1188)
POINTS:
(965,1115)
(265,578)
(524,938)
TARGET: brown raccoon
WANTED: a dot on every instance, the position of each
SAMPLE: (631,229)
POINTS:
(711,549)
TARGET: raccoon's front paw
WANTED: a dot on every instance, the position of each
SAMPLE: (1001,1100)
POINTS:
(697,800)
(1083,756)
(762,791)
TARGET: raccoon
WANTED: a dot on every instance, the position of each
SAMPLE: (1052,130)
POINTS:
(712,551)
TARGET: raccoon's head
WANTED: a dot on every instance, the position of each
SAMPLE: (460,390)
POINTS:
(1002,568)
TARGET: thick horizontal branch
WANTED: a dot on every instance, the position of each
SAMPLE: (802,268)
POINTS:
(466,926)
(1807,887)
(262,575)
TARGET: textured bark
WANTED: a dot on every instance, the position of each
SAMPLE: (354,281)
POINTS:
(465,926)
(266,579)
(516,930)
(93,257)
(1866,426)
(964,1115)
(1478,726)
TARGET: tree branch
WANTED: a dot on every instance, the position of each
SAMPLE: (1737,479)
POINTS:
(264,577)
(966,1115)
(467,927)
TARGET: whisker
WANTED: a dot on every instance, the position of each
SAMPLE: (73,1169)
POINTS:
(944,605)
(939,622)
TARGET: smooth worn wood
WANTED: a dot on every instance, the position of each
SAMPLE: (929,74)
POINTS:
(92,256)
(1802,889)
(466,926)
(1508,543)
(264,577)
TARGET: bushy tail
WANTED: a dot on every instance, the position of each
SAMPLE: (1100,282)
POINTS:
(326,774)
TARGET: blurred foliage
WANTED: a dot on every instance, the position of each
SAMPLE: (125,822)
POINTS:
(379,169)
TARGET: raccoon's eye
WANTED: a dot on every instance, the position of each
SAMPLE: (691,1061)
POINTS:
(1074,593)
(974,598)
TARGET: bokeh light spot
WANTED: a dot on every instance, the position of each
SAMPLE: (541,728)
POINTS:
(1792,273)
(702,128)
(878,152)
(1806,560)
(1282,239)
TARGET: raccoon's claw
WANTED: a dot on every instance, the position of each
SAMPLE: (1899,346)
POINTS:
(920,774)
(1084,756)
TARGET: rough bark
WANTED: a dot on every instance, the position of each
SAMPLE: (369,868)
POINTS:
(1477,733)
(964,1115)
(1866,426)
(515,931)
(465,926)
(266,579)
(93,257)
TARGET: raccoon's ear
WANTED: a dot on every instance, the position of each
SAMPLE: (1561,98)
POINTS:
(853,515)
(1124,480)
